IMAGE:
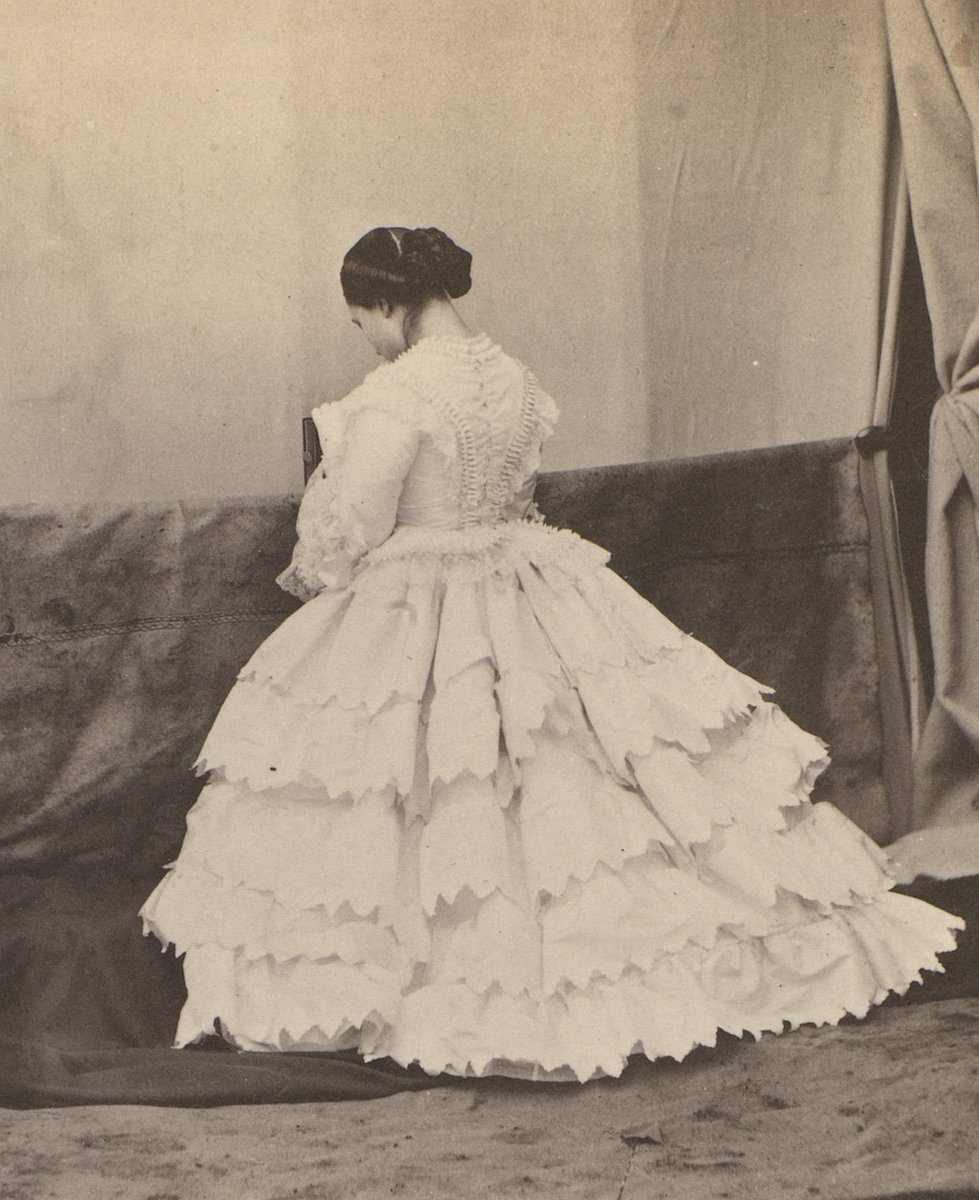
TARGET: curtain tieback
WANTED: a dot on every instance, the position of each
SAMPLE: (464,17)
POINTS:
(874,438)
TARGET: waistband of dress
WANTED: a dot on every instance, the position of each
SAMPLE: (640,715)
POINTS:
(526,538)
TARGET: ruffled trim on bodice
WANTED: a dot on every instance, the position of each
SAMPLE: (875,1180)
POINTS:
(490,451)
(493,458)
(412,389)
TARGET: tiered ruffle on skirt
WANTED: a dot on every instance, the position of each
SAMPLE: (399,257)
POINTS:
(489,811)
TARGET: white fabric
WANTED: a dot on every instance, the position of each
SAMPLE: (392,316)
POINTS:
(479,806)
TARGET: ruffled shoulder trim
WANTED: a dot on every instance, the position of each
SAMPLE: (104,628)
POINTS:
(545,408)
(478,348)
(403,389)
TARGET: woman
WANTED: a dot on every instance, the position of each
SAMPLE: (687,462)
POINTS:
(479,806)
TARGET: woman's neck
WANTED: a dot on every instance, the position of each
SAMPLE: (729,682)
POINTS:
(437,319)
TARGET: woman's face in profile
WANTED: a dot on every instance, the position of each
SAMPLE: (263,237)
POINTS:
(383,327)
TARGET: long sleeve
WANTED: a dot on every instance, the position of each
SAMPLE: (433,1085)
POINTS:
(351,501)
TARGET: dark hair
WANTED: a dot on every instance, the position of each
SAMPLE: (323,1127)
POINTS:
(404,266)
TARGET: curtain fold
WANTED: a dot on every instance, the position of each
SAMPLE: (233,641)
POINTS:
(901,696)
(934,47)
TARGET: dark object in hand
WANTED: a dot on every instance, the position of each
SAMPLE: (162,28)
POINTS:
(312,450)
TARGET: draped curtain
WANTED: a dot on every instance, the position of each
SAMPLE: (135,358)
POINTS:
(934,49)
(900,686)
(775,172)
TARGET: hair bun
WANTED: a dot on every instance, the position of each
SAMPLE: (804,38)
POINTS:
(431,258)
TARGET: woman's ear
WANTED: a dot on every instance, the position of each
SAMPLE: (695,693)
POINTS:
(386,308)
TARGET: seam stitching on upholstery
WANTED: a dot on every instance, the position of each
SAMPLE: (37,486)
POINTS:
(142,625)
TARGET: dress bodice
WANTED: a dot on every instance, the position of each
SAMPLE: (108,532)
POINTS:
(480,444)
(448,436)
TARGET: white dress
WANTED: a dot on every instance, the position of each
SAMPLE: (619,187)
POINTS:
(477,805)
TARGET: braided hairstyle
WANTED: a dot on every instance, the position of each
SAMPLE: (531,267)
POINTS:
(404,267)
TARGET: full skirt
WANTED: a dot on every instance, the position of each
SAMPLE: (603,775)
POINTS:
(489,811)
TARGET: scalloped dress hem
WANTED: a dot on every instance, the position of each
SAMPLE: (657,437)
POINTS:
(544,831)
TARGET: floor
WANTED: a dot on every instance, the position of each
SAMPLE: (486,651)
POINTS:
(886,1107)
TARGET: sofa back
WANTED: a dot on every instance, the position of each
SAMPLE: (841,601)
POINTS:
(121,630)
